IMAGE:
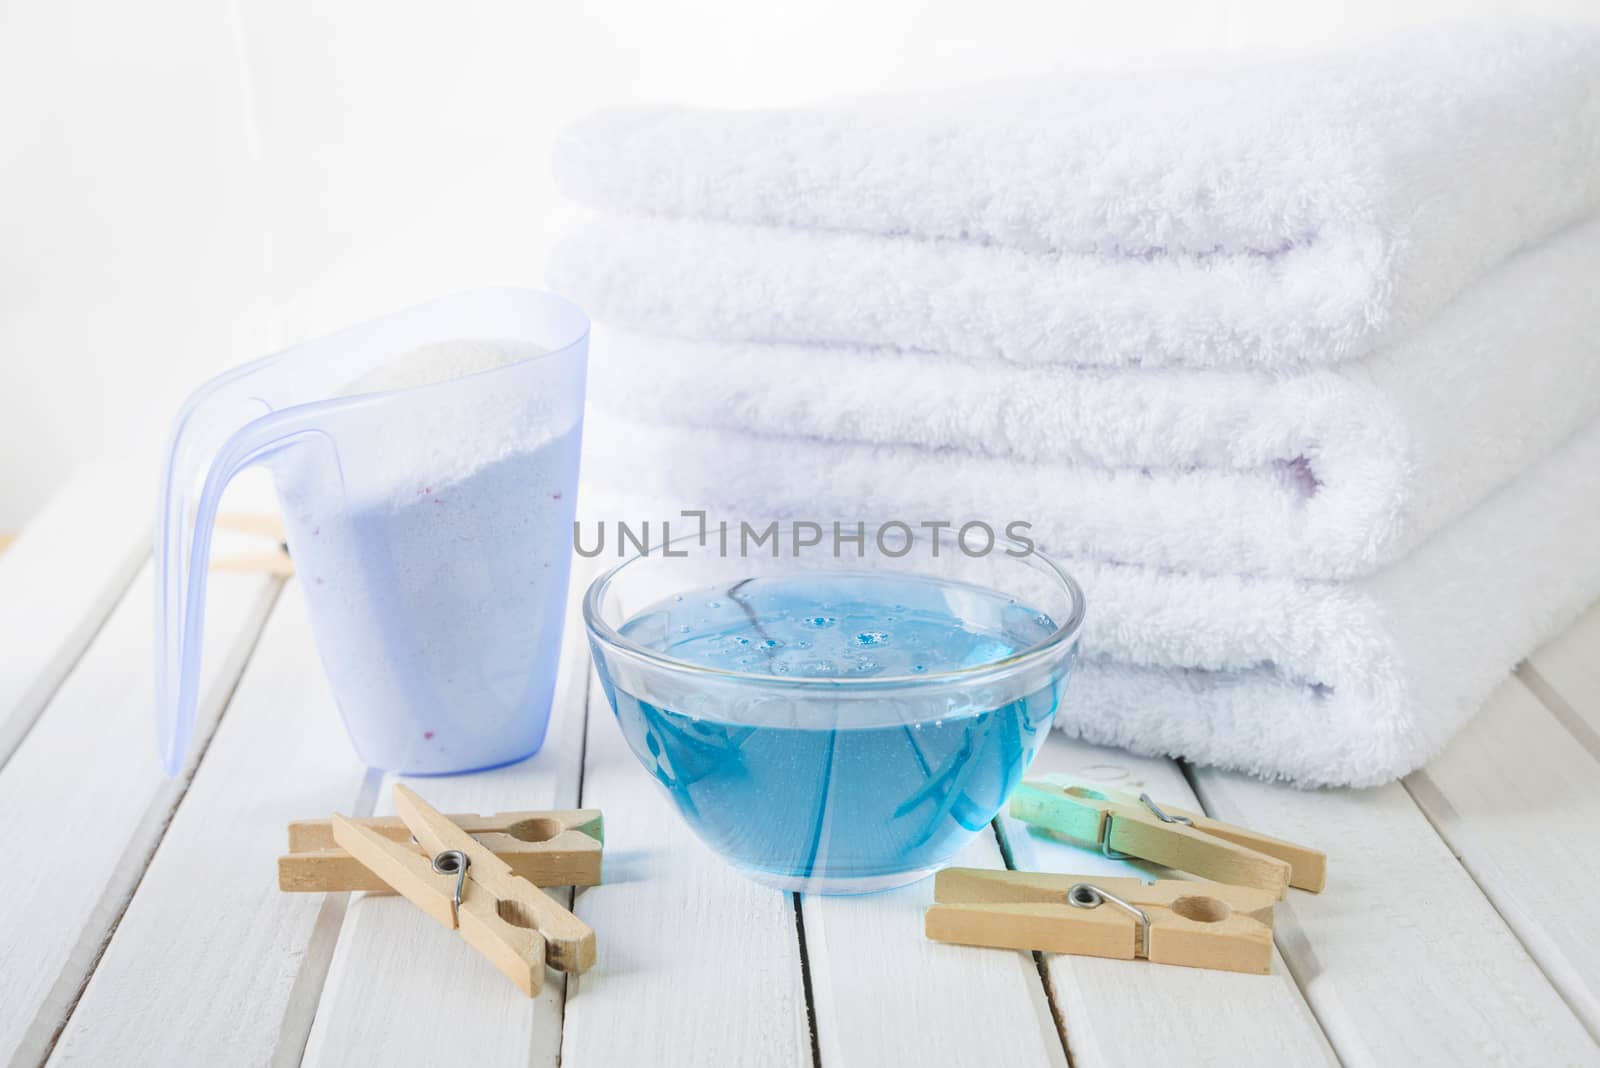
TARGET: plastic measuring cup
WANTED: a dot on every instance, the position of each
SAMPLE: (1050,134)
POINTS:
(426,467)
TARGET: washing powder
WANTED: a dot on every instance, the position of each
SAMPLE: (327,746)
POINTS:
(438,585)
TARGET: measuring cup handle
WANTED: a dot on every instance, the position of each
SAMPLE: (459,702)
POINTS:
(227,426)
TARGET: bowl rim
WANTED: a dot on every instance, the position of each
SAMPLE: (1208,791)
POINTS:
(1066,634)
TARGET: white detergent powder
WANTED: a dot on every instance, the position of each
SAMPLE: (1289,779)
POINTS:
(437,571)
(439,362)
(439,437)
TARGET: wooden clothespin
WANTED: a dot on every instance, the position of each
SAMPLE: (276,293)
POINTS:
(561,848)
(265,524)
(464,886)
(1171,921)
(274,561)
(1122,826)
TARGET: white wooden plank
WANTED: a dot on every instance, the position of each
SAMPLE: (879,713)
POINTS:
(426,974)
(85,804)
(697,965)
(1402,958)
(1519,802)
(886,995)
(60,580)
(204,965)
(1120,1012)
(1565,675)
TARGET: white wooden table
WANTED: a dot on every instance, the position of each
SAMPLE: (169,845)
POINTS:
(140,921)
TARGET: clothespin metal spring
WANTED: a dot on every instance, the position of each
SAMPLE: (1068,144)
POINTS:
(1090,896)
(1155,810)
(453,862)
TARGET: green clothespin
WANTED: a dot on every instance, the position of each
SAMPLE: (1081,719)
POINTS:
(1123,826)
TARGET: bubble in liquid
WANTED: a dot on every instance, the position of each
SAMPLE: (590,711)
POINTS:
(713,604)
(919,667)
(821,622)
(872,637)
(771,643)
(1023,624)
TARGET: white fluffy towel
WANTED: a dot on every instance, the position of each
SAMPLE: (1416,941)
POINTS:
(1327,473)
(1288,213)
(1296,364)
(1352,683)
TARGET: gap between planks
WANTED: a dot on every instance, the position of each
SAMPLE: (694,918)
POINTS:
(395,972)
(805,979)
(1583,732)
(1510,796)
(300,1011)
(1039,964)
(158,818)
(966,1005)
(208,930)
(1112,1012)
(581,663)
(94,741)
(584,572)
(1402,958)
(59,584)
(701,964)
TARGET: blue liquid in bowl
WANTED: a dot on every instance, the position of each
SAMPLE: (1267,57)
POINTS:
(817,792)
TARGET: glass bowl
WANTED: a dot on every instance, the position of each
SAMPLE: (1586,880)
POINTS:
(835,715)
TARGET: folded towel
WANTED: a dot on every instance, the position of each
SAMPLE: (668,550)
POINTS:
(1290,213)
(713,280)
(1320,683)
(1324,474)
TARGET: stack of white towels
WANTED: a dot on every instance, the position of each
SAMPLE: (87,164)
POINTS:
(1295,364)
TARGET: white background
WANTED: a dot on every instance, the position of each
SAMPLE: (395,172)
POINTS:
(187,184)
